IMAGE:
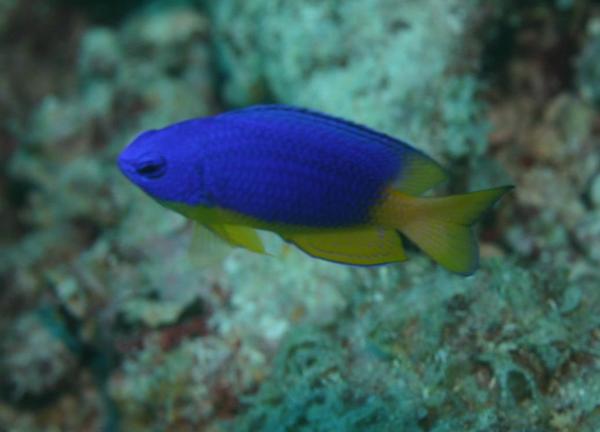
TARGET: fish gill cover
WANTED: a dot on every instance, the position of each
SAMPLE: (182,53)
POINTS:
(107,321)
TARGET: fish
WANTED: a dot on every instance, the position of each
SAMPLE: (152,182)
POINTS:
(337,190)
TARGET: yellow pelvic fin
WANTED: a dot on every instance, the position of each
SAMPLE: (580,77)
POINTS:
(237,235)
(360,246)
(419,173)
(441,227)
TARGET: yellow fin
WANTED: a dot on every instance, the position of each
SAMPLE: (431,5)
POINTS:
(272,242)
(360,246)
(441,227)
(419,173)
(207,249)
(237,235)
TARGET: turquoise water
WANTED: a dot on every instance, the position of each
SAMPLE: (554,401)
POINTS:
(111,317)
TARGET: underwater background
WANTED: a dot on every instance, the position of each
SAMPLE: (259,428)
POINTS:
(108,324)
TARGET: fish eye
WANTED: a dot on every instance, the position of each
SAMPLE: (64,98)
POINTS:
(152,167)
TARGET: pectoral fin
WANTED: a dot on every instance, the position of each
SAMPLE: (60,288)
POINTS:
(207,249)
(361,246)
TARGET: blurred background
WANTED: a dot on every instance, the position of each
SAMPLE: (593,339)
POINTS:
(106,323)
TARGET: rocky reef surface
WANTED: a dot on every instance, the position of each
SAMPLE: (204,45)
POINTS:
(108,323)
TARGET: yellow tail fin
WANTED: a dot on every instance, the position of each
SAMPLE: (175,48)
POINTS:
(441,227)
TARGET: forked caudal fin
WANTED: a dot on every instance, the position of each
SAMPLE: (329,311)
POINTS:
(441,227)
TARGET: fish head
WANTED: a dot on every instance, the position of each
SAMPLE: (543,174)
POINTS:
(167,164)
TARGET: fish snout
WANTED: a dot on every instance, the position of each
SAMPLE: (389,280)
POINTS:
(126,165)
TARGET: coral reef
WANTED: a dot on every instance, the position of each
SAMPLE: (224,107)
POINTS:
(587,66)
(33,372)
(373,71)
(110,322)
(483,339)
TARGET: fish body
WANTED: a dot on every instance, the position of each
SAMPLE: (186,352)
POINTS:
(338,190)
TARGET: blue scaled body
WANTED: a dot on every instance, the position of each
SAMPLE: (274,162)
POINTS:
(273,163)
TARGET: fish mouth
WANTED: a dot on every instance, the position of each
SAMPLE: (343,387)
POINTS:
(126,166)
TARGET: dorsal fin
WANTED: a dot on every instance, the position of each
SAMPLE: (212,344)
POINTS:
(304,114)
(419,172)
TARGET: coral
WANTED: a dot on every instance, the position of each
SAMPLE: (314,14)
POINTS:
(6,6)
(311,389)
(587,234)
(436,355)
(87,230)
(595,191)
(73,140)
(397,71)
(266,299)
(170,388)
(35,360)
(587,65)
(544,135)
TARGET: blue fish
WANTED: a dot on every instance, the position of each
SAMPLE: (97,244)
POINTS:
(337,190)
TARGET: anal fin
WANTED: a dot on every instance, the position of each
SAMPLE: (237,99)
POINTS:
(360,246)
